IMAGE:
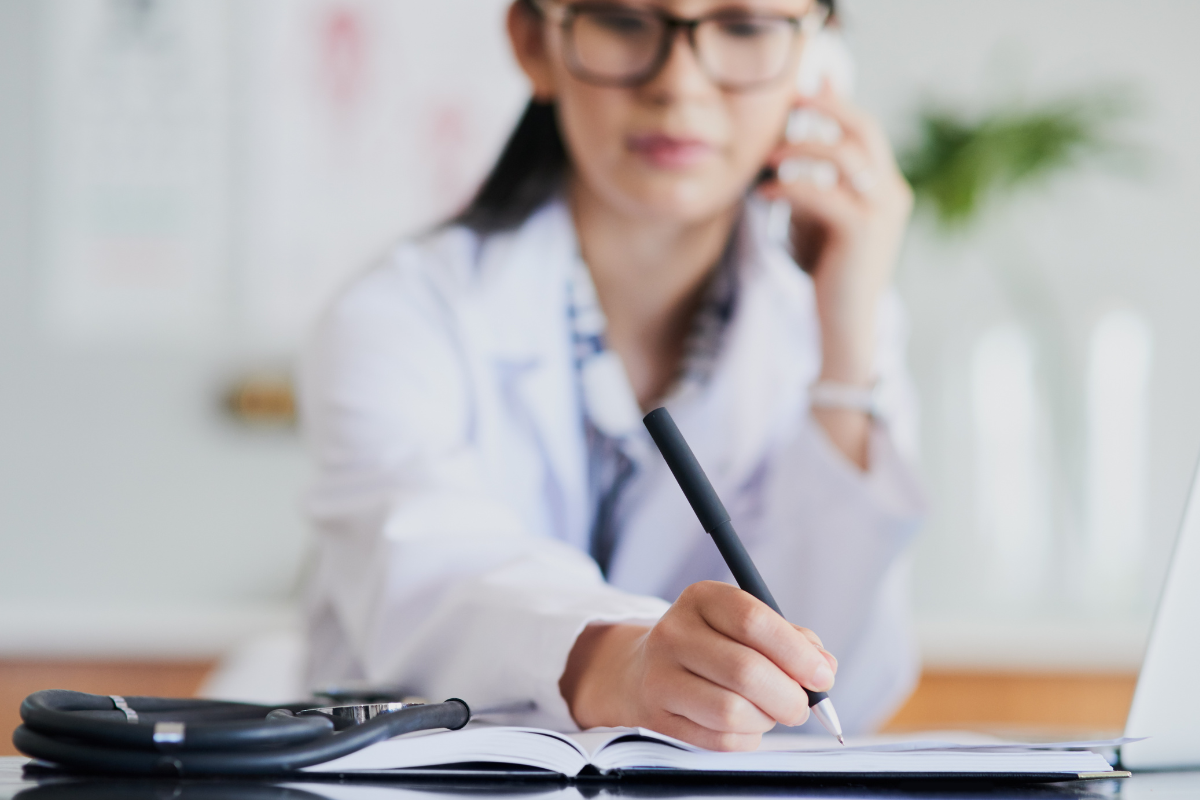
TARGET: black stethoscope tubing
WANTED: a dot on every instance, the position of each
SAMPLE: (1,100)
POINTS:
(89,732)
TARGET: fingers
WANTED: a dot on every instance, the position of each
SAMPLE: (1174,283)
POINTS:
(816,640)
(855,123)
(839,184)
(812,637)
(712,706)
(748,675)
(848,158)
(689,731)
(849,165)
(836,206)
(721,668)
(754,624)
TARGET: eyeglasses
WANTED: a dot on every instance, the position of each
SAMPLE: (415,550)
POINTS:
(610,44)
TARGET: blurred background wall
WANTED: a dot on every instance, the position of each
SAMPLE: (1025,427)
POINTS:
(183,183)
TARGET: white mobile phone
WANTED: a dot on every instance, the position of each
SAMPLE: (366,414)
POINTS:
(826,57)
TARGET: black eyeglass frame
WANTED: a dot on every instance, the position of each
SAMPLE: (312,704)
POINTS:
(672,25)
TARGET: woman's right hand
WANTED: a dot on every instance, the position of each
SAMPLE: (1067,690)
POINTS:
(718,670)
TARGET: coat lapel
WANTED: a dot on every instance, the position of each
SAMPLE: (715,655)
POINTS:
(517,319)
(522,328)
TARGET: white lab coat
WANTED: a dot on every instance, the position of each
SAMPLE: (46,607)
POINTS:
(451,503)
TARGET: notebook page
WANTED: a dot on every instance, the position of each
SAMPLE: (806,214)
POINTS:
(616,748)
(802,742)
(528,747)
(645,754)
(647,749)
(390,790)
(932,740)
(593,740)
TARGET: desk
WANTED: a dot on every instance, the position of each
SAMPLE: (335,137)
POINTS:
(1142,786)
(1043,706)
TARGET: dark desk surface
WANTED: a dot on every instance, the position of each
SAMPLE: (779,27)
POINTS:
(13,783)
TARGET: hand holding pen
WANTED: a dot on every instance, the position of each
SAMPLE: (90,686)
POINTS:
(718,670)
(717,523)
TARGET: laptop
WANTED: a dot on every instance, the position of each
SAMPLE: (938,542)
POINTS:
(1166,704)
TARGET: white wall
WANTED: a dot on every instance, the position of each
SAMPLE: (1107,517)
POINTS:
(135,516)
(1094,242)
(132,513)
(122,481)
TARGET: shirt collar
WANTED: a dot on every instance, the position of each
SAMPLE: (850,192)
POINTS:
(608,397)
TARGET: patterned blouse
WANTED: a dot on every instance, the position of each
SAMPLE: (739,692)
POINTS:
(617,443)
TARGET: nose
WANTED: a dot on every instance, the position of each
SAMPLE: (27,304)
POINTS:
(681,73)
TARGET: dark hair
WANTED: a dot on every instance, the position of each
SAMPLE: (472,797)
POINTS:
(528,172)
(530,169)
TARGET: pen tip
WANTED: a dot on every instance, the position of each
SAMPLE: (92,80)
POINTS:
(841,741)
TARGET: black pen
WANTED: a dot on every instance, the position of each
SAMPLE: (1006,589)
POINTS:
(715,519)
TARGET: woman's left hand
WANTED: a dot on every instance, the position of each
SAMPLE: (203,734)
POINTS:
(848,219)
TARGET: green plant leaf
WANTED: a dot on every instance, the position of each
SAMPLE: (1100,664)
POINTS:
(959,165)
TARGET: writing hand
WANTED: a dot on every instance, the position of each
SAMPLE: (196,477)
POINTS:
(718,670)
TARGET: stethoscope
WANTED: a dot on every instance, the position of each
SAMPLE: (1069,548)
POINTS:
(158,736)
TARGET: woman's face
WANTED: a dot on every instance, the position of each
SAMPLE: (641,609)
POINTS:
(677,148)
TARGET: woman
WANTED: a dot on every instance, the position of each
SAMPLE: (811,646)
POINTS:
(493,522)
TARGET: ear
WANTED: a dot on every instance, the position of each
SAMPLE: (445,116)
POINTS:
(527,34)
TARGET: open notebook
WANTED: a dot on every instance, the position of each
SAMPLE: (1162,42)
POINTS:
(622,752)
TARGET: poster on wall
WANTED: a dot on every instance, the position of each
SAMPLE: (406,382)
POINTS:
(134,166)
(365,120)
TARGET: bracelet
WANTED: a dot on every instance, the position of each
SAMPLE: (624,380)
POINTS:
(830,394)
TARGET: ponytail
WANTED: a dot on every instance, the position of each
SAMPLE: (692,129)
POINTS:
(528,173)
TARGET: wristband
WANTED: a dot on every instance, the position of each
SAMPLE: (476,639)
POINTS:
(845,396)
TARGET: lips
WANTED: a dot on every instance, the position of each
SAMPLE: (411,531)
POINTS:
(669,152)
